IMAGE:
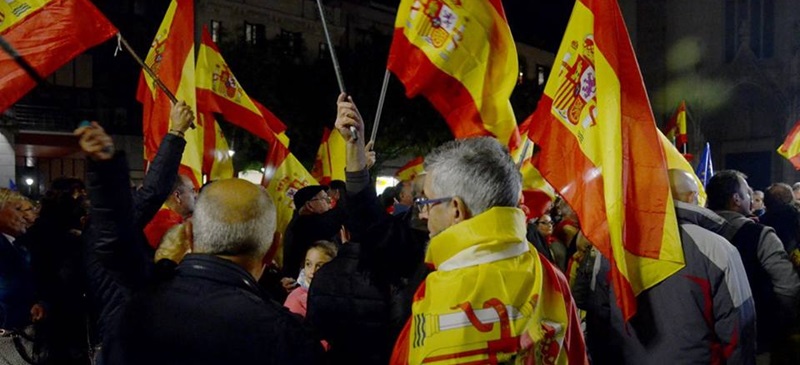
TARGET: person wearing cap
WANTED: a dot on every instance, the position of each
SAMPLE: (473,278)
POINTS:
(314,220)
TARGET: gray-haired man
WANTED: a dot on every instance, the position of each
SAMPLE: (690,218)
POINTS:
(486,275)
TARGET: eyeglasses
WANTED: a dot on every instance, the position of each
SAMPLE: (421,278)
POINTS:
(423,204)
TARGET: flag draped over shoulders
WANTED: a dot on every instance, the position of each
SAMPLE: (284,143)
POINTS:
(596,132)
(47,34)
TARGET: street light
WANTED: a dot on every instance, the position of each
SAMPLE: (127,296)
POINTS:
(29,181)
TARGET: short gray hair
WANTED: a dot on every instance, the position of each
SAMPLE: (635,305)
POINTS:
(477,170)
(215,234)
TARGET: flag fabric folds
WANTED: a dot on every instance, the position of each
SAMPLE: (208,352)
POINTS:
(218,91)
(217,161)
(331,159)
(411,169)
(460,55)
(538,195)
(790,149)
(596,131)
(171,57)
(284,175)
(47,34)
(705,169)
(676,127)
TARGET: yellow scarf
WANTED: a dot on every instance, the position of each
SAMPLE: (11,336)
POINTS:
(491,300)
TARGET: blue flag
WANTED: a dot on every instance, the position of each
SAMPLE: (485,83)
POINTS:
(705,169)
(12,185)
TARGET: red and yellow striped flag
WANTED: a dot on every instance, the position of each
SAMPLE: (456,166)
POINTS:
(47,34)
(461,57)
(790,149)
(217,162)
(411,169)
(596,131)
(284,175)
(676,127)
(538,195)
(171,57)
(330,162)
(218,91)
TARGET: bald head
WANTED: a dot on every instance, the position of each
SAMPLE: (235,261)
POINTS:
(233,217)
(683,186)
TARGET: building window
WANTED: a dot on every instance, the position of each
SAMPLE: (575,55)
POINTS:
(216,30)
(253,33)
(749,23)
(291,43)
(76,73)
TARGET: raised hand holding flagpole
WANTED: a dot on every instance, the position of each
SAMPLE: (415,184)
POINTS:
(336,67)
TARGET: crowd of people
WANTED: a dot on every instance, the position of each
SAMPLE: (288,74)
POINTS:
(445,268)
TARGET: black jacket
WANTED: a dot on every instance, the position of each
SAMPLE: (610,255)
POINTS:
(210,312)
(360,301)
(116,256)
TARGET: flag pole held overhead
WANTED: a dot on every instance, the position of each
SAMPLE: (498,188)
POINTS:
(381,100)
(149,71)
(336,67)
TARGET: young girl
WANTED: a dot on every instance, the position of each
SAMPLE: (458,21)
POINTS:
(320,253)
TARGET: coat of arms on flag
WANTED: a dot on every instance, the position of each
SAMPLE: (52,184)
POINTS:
(575,101)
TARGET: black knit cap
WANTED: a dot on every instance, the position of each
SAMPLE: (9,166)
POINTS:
(302,196)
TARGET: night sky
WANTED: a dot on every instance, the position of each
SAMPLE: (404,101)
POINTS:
(540,23)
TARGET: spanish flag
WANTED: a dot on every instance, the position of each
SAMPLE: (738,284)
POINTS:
(790,149)
(47,34)
(284,175)
(331,159)
(596,132)
(219,91)
(459,55)
(675,160)
(171,57)
(217,161)
(411,169)
(538,195)
(676,127)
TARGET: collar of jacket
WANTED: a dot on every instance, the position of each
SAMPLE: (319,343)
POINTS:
(213,268)
(497,230)
(703,217)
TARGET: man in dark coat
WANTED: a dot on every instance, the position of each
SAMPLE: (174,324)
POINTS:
(210,310)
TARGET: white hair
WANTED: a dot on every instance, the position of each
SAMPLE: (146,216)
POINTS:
(215,234)
(477,170)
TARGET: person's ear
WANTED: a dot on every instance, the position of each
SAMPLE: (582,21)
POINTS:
(187,226)
(459,210)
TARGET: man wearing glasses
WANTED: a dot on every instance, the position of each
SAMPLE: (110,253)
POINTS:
(490,296)
(314,220)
